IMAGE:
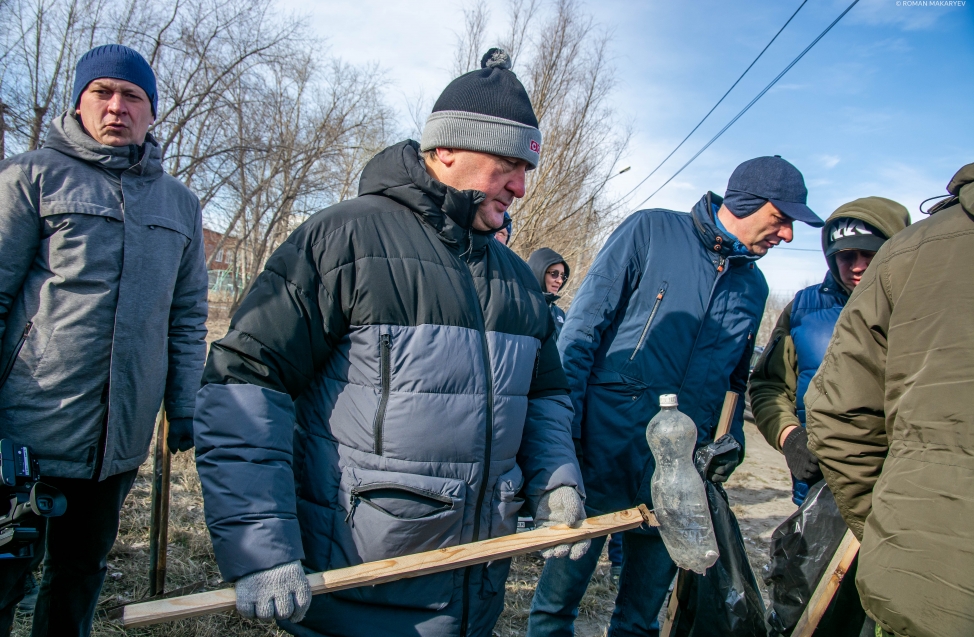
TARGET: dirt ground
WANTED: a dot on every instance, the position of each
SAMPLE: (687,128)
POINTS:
(759,493)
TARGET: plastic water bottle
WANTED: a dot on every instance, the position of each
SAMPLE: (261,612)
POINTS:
(679,499)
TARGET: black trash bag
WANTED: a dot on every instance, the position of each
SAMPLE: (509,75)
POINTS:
(801,549)
(725,601)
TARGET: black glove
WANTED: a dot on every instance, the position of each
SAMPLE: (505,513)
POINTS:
(578,449)
(722,466)
(180,436)
(803,465)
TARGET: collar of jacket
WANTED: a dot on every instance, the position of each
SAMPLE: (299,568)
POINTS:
(67,136)
(715,241)
(831,285)
(398,172)
(550,298)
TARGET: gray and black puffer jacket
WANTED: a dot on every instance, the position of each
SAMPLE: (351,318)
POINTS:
(389,386)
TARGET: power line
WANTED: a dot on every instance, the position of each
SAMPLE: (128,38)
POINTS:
(752,102)
(736,82)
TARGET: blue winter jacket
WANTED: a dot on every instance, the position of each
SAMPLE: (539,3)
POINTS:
(665,309)
(813,315)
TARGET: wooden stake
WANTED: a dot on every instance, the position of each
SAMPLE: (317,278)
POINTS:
(372,573)
(159,517)
(679,588)
(827,586)
(727,414)
(673,608)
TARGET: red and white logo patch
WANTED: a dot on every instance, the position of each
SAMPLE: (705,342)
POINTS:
(535,147)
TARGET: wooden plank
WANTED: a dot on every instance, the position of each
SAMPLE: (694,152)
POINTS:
(827,586)
(371,573)
(727,414)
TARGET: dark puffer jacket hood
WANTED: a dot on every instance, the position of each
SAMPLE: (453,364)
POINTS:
(886,215)
(539,262)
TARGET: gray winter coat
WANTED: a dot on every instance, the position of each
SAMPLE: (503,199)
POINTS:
(390,385)
(101,267)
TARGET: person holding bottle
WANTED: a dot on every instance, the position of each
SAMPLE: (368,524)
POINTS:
(670,305)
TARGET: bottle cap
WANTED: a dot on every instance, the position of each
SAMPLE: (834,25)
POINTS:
(668,400)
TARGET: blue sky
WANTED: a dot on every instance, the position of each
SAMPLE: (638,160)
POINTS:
(882,105)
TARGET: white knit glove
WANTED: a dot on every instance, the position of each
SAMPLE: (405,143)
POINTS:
(562,506)
(281,592)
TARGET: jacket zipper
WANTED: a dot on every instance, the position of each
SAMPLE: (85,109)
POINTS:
(488,375)
(13,357)
(649,321)
(356,493)
(102,449)
(385,343)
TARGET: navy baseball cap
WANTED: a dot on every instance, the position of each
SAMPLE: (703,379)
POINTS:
(771,179)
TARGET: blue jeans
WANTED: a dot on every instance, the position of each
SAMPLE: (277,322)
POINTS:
(615,549)
(647,572)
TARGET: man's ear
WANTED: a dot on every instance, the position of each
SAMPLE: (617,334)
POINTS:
(446,156)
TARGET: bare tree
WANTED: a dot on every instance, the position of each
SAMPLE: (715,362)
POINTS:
(250,115)
(470,44)
(562,58)
(301,147)
(40,41)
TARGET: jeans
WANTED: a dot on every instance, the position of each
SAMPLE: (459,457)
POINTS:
(647,572)
(77,544)
(615,549)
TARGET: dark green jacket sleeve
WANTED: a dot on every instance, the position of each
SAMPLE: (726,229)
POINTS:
(774,383)
(845,402)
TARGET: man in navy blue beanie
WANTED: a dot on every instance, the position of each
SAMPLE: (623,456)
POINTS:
(102,319)
(670,305)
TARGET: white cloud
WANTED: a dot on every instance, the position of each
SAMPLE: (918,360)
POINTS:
(906,14)
(828,161)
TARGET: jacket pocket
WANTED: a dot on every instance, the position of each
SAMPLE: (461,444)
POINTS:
(385,347)
(8,367)
(506,503)
(649,321)
(157,221)
(390,514)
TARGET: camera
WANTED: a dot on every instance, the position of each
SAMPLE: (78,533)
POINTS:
(30,500)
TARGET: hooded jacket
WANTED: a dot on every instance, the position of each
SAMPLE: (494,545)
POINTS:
(389,386)
(102,301)
(666,308)
(890,419)
(800,337)
(539,261)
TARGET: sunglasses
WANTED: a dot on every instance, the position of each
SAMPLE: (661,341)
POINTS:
(557,275)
